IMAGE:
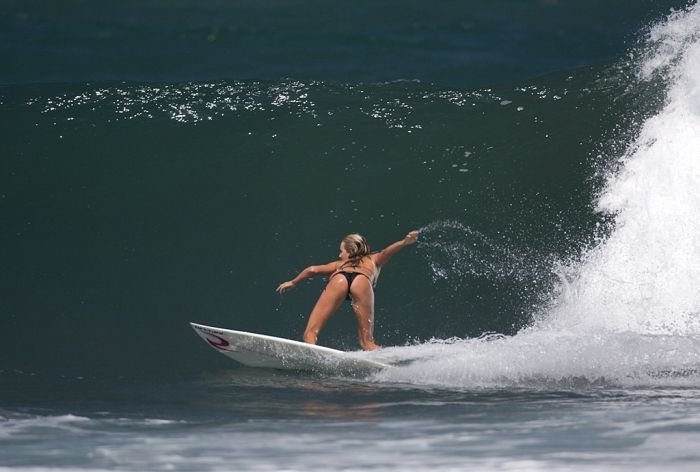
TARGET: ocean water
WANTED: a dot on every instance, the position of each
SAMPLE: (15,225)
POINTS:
(167,162)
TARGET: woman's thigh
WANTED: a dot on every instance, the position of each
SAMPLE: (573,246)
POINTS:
(330,300)
(362,295)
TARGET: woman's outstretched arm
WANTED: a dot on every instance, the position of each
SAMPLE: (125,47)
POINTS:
(383,257)
(308,273)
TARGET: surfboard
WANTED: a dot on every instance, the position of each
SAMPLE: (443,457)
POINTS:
(259,350)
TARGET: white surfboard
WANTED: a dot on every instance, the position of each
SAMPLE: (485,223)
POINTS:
(258,350)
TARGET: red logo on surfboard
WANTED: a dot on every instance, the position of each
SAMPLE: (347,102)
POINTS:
(219,343)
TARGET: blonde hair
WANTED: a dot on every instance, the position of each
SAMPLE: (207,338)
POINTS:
(356,246)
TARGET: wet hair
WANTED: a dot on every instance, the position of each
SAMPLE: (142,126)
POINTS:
(356,246)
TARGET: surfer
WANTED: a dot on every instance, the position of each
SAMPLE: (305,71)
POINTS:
(351,278)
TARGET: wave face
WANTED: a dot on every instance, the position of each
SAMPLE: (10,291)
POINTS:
(132,208)
(628,311)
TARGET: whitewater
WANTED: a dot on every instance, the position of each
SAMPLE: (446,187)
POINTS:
(627,312)
(547,320)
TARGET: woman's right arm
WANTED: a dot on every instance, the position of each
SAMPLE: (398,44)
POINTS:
(308,273)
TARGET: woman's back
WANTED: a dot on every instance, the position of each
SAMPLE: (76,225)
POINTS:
(365,266)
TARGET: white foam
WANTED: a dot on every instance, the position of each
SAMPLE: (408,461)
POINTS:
(24,424)
(536,358)
(629,313)
(52,469)
(645,278)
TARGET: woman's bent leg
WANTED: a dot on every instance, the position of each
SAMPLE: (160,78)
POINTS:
(327,304)
(363,305)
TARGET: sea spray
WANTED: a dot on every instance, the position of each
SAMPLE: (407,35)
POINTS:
(629,312)
(454,250)
(644,278)
(553,359)
(493,267)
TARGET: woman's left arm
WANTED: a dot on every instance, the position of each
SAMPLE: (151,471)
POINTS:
(383,257)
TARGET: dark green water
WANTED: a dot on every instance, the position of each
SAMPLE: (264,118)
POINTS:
(476,43)
(132,209)
(168,162)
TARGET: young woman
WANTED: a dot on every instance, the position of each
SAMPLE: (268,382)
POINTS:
(351,278)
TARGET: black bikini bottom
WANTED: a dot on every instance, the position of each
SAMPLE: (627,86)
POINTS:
(350,276)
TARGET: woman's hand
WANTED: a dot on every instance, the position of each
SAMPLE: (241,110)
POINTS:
(284,286)
(410,238)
